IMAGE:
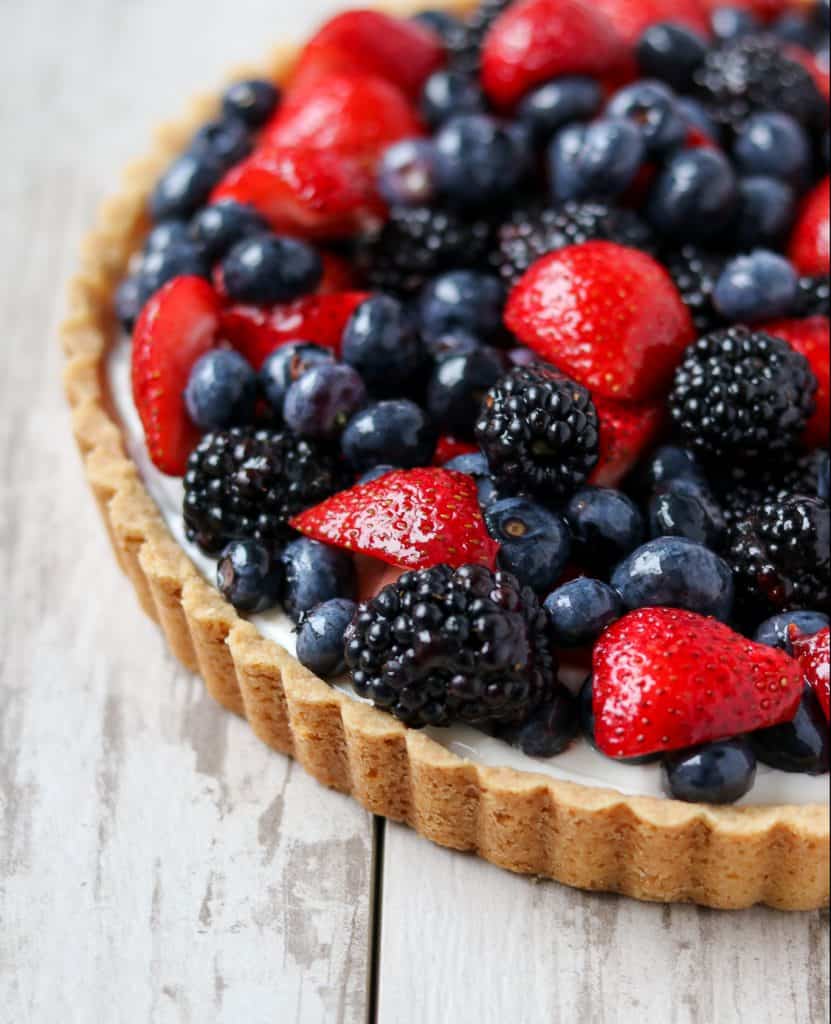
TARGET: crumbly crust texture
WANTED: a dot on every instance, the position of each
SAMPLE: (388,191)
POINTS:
(590,838)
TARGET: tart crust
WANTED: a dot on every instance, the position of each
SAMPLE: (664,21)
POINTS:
(590,838)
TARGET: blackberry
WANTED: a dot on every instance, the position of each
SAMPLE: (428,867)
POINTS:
(465,49)
(442,646)
(741,490)
(742,392)
(813,297)
(419,243)
(752,74)
(780,557)
(539,432)
(531,234)
(695,272)
(246,483)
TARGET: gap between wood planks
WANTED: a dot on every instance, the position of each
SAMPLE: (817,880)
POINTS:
(376,918)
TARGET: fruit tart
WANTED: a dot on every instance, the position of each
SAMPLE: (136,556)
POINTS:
(455,391)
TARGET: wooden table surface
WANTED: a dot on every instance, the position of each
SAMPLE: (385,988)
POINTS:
(156,862)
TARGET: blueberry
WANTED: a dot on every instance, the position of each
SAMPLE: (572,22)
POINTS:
(774,632)
(687,508)
(320,638)
(580,610)
(265,269)
(315,573)
(252,101)
(479,161)
(167,234)
(129,301)
(375,473)
(606,525)
(697,116)
(221,225)
(462,300)
(449,93)
(476,465)
(799,746)
(550,728)
(445,25)
(718,773)
(323,400)
(221,391)
(226,139)
(381,344)
(522,357)
(596,160)
(729,23)
(407,173)
(287,365)
(585,712)
(671,53)
(551,107)
(694,196)
(765,214)
(185,186)
(396,431)
(162,265)
(458,387)
(759,286)
(454,343)
(671,462)
(250,576)
(794,28)
(774,145)
(652,107)
(535,543)
(674,572)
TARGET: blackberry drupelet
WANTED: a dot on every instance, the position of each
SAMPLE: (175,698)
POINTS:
(531,234)
(780,557)
(466,49)
(246,483)
(442,646)
(539,432)
(741,490)
(813,296)
(695,272)
(744,393)
(753,73)
(418,243)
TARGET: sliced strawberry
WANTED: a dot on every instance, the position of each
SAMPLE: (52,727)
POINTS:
(665,679)
(814,656)
(450,448)
(811,337)
(537,40)
(310,193)
(608,315)
(810,247)
(256,332)
(414,519)
(627,431)
(631,17)
(403,52)
(177,326)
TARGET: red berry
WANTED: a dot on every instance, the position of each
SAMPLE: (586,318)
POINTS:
(414,519)
(665,679)
(810,248)
(627,431)
(256,332)
(537,40)
(814,654)
(811,337)
(631,18)
(338,275)
(450,448)
(608,315)
(177,326)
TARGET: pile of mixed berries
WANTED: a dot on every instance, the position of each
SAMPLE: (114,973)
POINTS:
(516,330)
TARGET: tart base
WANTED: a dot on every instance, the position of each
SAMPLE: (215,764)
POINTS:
(589,838)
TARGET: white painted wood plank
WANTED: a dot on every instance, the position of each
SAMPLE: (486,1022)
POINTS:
(463,941)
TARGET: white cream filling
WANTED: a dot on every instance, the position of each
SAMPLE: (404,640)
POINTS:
(579,763)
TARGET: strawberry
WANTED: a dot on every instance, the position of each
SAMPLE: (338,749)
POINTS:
(450,448)
(414,519)
(403,52)
(814,656)
(608,315)
(765,10)
(338,275)
(537,40)
(359,115)
(627,430)
(177,326)
(631,17)
(310,193)
(665,679)
(811,337)
(810,242)
(322,319)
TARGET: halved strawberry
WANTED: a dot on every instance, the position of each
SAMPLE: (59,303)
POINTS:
(403,52)
(414,519)
(665,679)
(177,326)
(814,656)
(631,17)
(310,193)
(609,316)
(256,331)
(627,431)
(810,247)
(450,448)
(537,40)
(811,337)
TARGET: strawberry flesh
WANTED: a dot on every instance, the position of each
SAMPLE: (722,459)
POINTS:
(810,246)
(814,655)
